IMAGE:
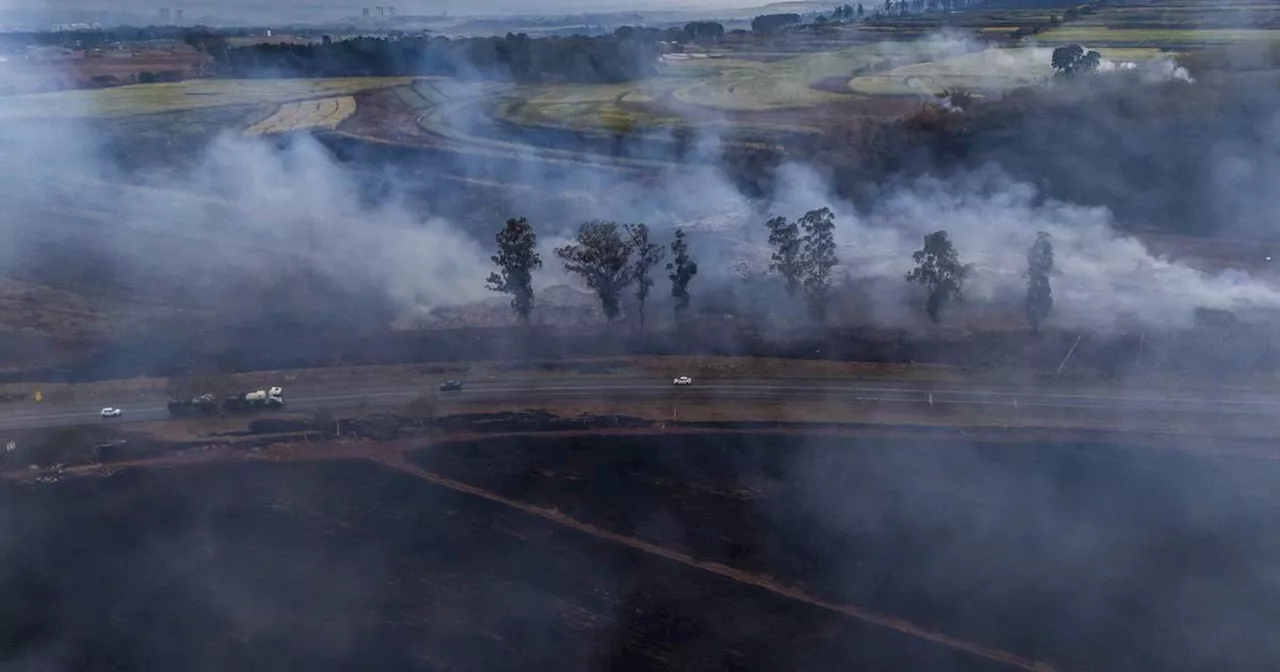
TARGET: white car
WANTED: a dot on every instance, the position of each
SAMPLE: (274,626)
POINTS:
(111,412)
(683,380)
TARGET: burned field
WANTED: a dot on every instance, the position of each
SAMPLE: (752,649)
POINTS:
(748,552)
(348,565)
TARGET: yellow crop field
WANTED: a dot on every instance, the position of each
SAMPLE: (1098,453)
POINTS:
(138,99)
(306,115)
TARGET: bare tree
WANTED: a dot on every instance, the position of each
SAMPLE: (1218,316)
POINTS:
(646,255)
(517,259)
(601,257)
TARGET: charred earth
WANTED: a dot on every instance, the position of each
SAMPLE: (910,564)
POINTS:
(646,552)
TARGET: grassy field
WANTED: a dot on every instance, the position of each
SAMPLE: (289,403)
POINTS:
(189,95)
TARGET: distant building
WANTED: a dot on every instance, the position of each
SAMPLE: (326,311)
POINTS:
(365,12)
(164,15)
(179,17)
(75,27)
(391,10)
(380,14)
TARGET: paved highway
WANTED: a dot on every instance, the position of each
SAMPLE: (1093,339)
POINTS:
(524,394)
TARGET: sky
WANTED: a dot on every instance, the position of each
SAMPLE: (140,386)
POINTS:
(252,12)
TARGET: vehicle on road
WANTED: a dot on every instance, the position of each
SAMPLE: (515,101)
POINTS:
(451,386)
(111,412)
(209,403)
(683,380)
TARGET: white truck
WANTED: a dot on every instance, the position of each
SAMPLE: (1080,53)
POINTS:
(272,397)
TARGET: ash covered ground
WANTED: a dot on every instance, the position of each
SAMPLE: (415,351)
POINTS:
(1083,556)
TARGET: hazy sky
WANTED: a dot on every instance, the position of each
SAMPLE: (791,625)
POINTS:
(353,7)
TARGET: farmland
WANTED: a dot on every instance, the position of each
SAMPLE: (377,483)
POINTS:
(306,115)
(674,538)
(144,99)
(748,91)
(745,93)
(827,551)
(1104,36)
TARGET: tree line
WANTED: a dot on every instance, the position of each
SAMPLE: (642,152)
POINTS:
(610,258)
(621,57)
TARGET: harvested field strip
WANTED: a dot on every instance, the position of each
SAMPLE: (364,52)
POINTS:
(193,94)
(437,121)
(410,96)
(305,115)
(437,90)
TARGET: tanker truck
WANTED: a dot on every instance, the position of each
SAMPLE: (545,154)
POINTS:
(209,404)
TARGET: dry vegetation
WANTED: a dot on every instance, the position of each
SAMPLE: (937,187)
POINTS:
(307,115)
(153,98)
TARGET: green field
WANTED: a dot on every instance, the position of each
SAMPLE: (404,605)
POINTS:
(190,95)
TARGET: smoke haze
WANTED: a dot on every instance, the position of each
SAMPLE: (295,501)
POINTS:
(255,208)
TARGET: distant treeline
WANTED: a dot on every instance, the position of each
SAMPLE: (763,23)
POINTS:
(106,36)
(613,58)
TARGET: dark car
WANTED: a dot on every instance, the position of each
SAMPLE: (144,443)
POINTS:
(451,386)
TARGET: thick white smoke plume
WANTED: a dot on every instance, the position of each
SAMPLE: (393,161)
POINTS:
(1103,280)
(951,58)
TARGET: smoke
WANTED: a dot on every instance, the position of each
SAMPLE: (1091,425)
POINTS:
(1104,279)
(253,209)
(1156,70)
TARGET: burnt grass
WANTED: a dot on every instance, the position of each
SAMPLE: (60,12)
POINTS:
(1087,556)
(352,566)
(271,345)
